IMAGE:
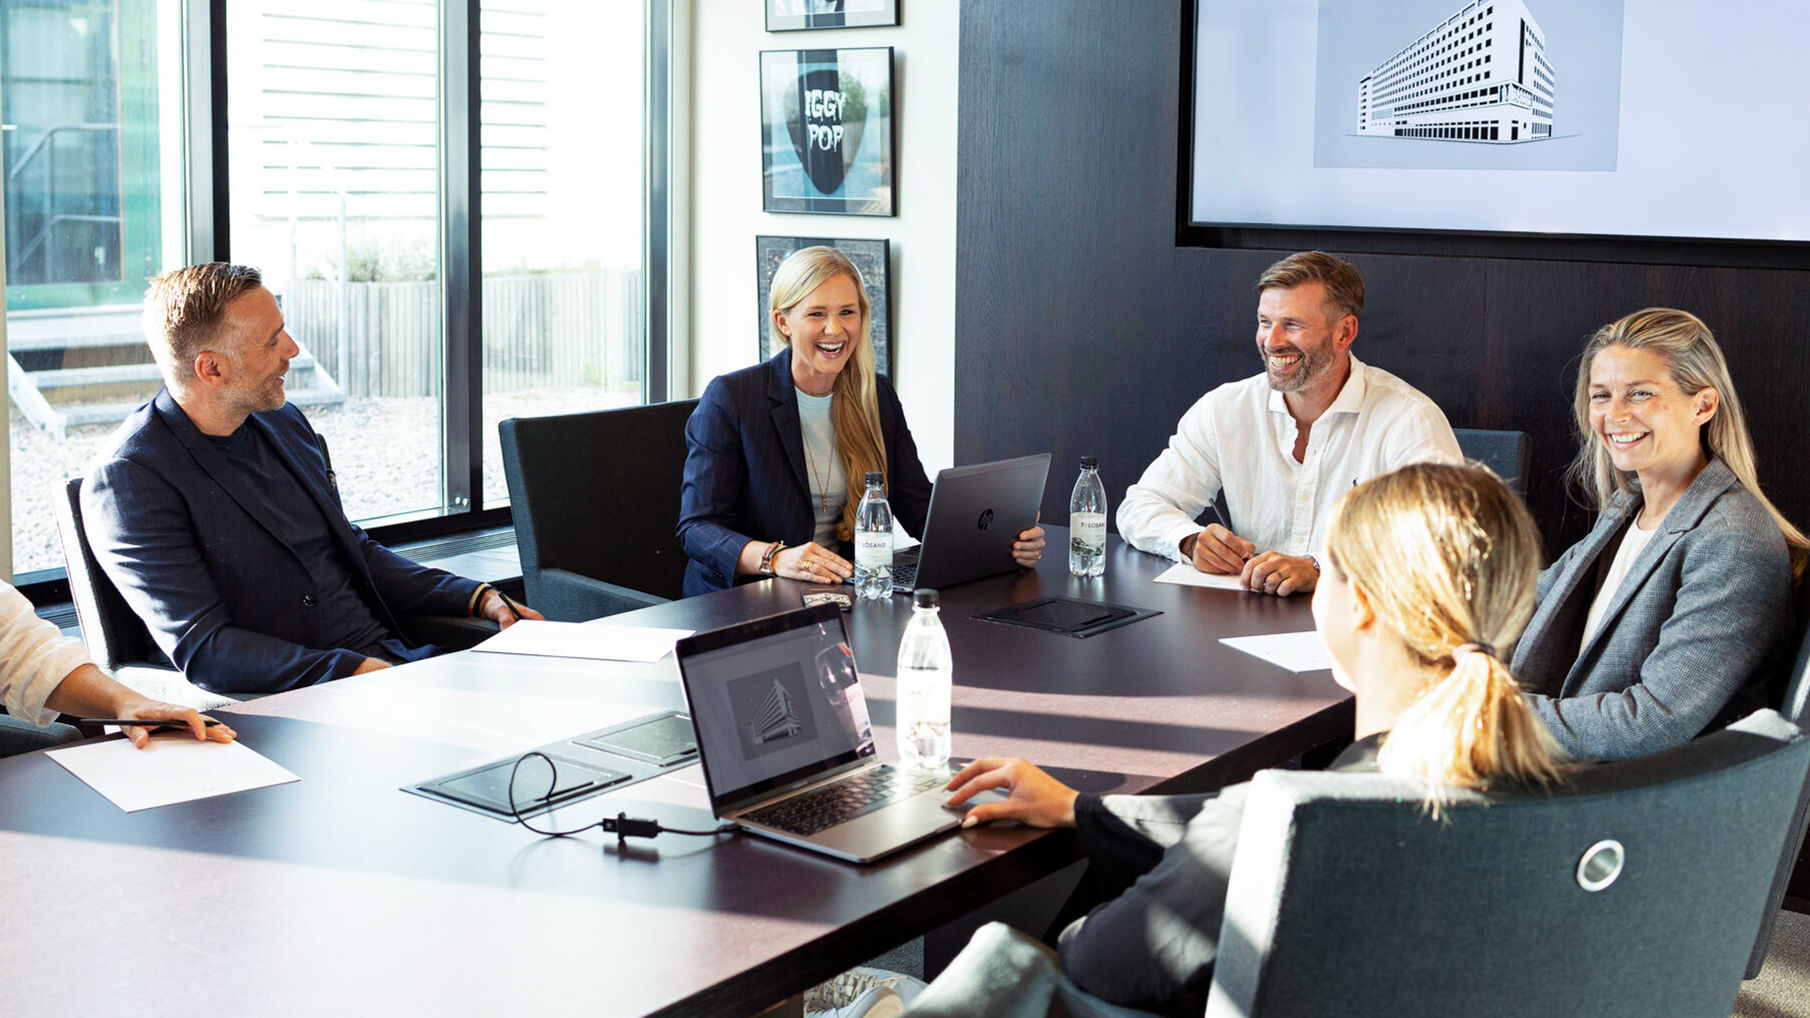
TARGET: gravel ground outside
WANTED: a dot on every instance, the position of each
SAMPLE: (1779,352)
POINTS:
(386,452)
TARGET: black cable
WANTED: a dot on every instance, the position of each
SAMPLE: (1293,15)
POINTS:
(621,825)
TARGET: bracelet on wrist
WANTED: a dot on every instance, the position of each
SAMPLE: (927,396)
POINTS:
(767,557)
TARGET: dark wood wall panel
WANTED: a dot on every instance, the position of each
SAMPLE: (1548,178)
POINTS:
(1083,328)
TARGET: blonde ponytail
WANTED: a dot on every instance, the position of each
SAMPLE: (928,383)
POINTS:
(1449,558)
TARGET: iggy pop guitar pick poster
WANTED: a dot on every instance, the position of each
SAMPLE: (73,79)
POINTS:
(826,131)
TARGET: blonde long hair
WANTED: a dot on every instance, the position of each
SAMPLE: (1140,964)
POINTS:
(1695,362)
(1450,559)
(854,404)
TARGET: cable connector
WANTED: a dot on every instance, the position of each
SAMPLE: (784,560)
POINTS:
(624,827)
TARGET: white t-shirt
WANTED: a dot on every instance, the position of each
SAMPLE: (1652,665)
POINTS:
(1632,541)
(1240,439)
(822,465)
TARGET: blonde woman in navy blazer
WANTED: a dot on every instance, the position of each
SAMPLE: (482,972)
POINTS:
(1685,631)
(754,492)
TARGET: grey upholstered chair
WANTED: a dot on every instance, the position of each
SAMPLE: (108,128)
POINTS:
(1637,890)
(595,498)
(1505,452)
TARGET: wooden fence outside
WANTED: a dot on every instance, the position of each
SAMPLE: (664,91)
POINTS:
(540,331)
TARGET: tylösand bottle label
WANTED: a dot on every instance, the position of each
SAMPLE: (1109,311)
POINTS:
(873,549)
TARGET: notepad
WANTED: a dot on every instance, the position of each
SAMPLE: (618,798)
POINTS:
(1188,576)
(1297,652)
(584,640)
(173,768)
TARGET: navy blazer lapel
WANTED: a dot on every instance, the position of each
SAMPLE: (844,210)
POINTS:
(1681,519)
(785,416)
(213,462)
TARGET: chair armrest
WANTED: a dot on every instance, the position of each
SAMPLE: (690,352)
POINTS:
(448,632)
(570,597)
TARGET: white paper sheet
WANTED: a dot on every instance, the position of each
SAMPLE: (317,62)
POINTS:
(1188,576)
(1297,652)
(173,768)
(584,640)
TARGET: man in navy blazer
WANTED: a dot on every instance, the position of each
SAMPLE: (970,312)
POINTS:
(214,512)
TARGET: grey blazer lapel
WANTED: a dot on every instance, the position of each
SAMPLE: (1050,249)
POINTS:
(785,417)
(213,463)
(1680,520)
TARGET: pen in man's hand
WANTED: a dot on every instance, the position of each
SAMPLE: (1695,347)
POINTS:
(510,605)
(144,722)
(1222,522)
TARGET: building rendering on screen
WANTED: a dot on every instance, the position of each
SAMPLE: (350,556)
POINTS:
(1479,75)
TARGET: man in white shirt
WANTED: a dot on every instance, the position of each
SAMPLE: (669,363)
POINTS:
(1280,448)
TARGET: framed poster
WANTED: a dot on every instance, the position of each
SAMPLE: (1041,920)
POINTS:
(790,15)
(870,258)
(826,131)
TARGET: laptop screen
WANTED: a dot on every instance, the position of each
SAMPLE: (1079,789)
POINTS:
(775,701)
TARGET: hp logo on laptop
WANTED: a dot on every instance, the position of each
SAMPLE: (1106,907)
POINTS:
(986,519)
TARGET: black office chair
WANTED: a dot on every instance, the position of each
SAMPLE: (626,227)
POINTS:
(1505,452)
(595,497)
(116,637)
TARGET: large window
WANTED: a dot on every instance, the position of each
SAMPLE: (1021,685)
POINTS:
(92,159)
(563,185)
(333,129)
(450,199)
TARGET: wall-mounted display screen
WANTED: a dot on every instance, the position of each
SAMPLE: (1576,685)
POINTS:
(1637,118)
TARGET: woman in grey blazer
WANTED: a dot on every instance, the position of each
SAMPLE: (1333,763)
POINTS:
(1674,613)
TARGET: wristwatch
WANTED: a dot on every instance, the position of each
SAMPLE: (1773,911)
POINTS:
(1188,547)
(1313,562)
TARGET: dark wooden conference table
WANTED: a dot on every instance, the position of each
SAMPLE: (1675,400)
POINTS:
(341,894)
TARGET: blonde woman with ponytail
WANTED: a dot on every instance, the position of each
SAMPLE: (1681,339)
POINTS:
(1675,613)
(779,452)
(1428,573)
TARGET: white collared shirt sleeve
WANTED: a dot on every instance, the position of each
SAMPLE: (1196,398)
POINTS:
(1159,510)
(35,658)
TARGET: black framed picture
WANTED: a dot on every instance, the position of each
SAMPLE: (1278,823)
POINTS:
(790,15)
(870,258)
(827,131)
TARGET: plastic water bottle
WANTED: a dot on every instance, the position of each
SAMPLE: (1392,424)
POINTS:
(926,683)
(1087,522)
(873,541)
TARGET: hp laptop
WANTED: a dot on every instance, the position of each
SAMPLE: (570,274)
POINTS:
(975,514)
(787,749)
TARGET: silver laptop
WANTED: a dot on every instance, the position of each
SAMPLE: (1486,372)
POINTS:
(975,514)
(786,745)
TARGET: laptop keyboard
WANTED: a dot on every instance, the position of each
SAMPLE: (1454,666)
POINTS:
(905,576)
(824,808)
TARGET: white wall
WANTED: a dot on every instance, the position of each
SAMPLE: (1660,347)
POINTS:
(725,213)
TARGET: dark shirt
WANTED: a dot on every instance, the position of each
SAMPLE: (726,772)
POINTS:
(342,612)
(1154,946)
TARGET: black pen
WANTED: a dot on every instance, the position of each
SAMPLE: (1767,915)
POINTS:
(1222,522)
(143,722)
(510,605)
